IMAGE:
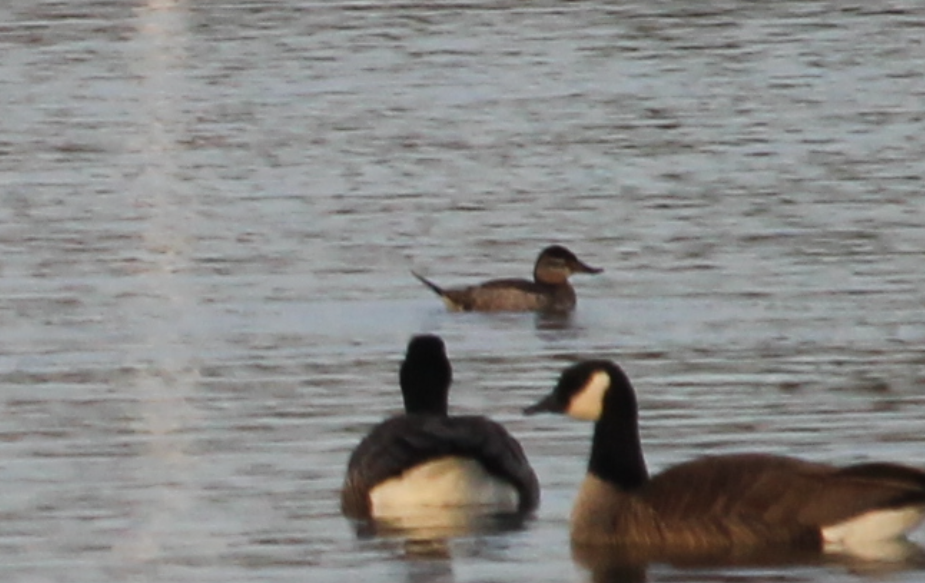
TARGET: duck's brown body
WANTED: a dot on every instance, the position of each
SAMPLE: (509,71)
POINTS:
(508,295)
(550,289)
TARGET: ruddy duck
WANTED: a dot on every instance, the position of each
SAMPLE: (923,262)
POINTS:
(549,290)
(722,502)
(425,460)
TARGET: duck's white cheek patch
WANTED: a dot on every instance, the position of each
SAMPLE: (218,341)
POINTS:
(589,402)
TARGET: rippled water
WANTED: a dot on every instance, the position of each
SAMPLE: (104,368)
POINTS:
(210,210)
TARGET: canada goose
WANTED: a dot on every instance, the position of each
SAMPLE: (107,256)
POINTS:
(425,459)
(726,501)
(549,290)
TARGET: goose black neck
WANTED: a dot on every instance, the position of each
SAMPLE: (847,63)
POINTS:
(425,377)
(616,451)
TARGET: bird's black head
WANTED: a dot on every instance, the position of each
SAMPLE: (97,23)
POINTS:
(425,376)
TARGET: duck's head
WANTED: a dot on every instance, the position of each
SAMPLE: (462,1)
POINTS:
(425,376)
(584,388)
(556,263)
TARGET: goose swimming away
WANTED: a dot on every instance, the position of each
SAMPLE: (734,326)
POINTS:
(426,459)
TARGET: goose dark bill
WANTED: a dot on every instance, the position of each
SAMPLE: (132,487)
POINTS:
(548,404)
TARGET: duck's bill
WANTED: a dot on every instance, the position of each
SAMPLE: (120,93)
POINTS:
(547,404)
(582,267)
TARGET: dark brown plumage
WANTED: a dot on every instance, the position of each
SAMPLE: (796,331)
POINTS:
(426,433)
(405,441)
(724,502)
(549,290)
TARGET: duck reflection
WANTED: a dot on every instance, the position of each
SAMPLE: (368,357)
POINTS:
(554,321)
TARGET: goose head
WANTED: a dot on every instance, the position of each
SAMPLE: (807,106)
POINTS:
(586,389)
(425,376)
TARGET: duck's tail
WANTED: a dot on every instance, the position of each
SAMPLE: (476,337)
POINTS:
(437,289)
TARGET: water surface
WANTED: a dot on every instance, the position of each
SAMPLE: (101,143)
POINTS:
(210,211)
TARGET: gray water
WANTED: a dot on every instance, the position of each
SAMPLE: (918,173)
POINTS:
(210,210)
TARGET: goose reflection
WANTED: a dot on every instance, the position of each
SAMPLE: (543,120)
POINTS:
(424,541)
(630,564)
(440,524)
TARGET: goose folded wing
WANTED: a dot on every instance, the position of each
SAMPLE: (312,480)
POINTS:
(783,490)
(403,442)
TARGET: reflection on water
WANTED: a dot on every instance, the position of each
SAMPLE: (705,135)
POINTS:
(428,561)
(628,565)
(211,208)
(553,326)
(428,546)
(440,524)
